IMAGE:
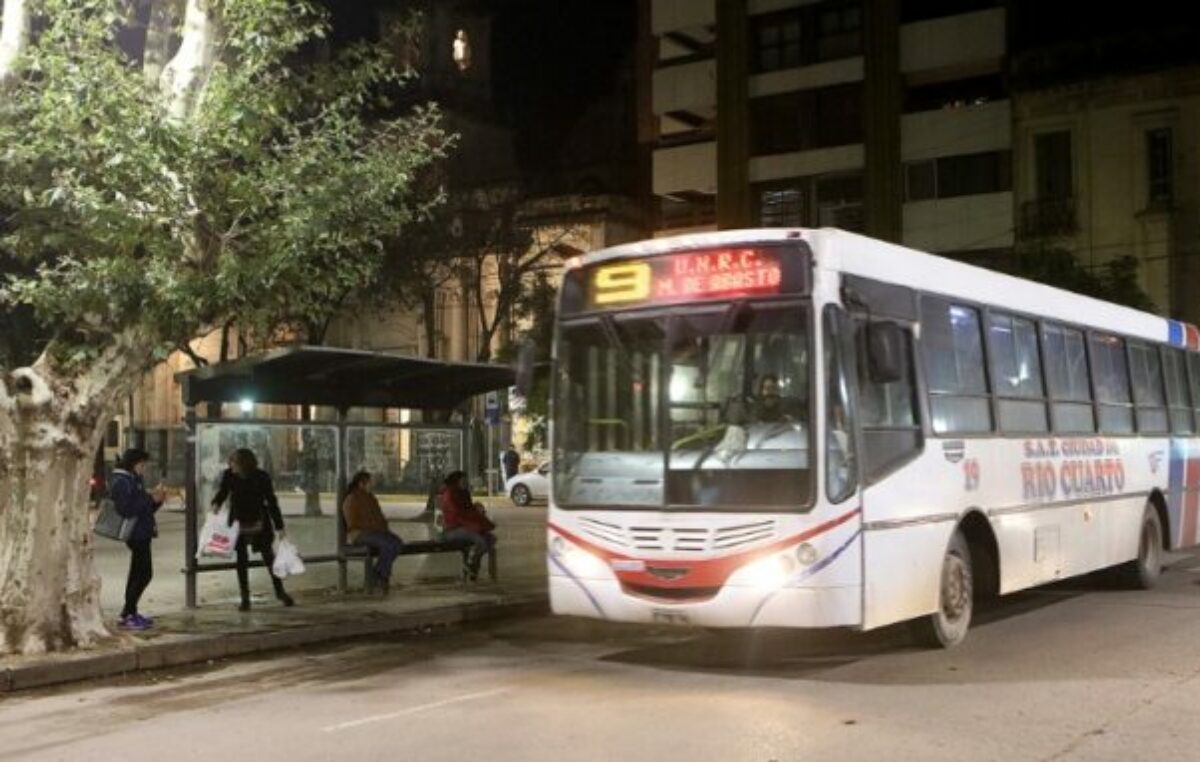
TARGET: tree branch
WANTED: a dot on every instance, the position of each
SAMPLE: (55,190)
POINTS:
(14,36)
(197,360)
(164,17)
(181,81)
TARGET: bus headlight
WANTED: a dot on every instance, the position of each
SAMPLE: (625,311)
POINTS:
(806,554)
(769,573)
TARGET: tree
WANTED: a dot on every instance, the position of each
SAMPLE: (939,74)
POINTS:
(1115,281)
(536,309)
(247,182)
(499,255)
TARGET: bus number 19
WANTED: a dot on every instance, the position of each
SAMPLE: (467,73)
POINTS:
(621,283)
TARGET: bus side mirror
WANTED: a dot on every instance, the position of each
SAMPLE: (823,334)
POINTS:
(885,352)
(524,367)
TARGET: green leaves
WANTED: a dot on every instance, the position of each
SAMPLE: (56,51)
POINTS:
(273,199)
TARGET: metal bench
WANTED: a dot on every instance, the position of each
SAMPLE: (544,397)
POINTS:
(416,548)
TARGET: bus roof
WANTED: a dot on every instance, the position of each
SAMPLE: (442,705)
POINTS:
(870,258)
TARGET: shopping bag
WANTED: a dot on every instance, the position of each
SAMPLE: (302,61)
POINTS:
(217,537)
(287,560)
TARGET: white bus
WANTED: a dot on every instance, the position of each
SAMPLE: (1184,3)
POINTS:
(809,428)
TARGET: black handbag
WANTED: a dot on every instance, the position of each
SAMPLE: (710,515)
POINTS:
(111,524)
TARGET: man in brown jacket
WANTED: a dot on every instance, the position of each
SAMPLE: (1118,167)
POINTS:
(365,525)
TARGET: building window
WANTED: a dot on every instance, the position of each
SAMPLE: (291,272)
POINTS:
(775,124)
(805,36)
(952,176)
(839,115)
(839,32)
(959,93)
(800,121)
(1159,166)
(776,42)
(839,202)
(833,200)
(462,50)
(781,208)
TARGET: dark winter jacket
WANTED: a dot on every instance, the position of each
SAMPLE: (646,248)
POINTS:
(129,496)
(251,500)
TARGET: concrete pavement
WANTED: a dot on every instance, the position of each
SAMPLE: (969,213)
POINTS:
(426,593)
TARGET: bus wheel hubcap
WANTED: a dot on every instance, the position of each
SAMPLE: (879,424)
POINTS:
(956,588)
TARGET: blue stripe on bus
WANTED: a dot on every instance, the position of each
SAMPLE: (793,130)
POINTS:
(810,571)
(1175,333)
(579,584)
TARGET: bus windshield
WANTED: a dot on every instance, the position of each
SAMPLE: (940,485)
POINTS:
(703,409)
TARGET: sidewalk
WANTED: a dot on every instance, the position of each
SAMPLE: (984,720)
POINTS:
(191,637)
(425,593)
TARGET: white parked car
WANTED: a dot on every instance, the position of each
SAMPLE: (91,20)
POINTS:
(527,487)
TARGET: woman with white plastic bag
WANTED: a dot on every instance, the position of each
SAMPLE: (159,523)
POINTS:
(287,560)
(218,537)
(254,508)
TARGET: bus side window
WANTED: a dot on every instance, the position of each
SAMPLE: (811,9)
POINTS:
(891,429)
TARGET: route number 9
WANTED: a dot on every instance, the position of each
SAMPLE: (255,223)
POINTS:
(628,282)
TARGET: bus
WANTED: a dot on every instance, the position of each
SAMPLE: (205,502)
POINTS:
(811,428)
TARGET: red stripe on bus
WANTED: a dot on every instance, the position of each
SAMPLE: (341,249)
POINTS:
(1191,503)
(709,572)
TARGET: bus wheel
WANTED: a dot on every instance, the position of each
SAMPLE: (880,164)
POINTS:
(1143,572)
(947,627)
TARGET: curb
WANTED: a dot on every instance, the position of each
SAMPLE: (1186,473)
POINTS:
(203,648)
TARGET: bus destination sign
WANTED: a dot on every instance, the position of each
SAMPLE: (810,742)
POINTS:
(670,278)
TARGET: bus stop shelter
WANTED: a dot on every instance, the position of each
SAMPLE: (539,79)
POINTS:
(323,453)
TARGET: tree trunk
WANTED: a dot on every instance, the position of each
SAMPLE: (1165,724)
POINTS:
(49,594)
(50,427)
(429,318)
(14,35)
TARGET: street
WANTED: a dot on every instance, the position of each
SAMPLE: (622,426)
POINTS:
(1075,671)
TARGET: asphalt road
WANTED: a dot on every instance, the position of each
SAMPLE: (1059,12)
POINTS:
(1079,671)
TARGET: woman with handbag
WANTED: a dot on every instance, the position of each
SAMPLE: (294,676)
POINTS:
(132,501)
(252,503)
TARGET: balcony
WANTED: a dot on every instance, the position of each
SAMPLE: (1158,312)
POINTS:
(1048,217)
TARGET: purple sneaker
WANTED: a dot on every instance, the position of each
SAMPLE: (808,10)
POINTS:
(145,621)
(131,622)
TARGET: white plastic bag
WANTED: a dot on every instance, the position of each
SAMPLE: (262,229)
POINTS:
(287,560)
(217,538)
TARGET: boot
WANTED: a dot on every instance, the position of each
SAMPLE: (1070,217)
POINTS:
(281,594)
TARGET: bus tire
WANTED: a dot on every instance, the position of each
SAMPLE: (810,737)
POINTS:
(1143,572)
(947,627)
